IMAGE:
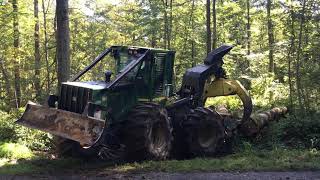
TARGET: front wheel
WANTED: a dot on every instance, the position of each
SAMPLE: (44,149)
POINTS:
(146,133)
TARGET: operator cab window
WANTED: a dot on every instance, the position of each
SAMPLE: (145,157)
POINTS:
(125,60)
(114,64)
(97,73)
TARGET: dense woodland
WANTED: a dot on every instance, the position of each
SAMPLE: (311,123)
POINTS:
(276,43)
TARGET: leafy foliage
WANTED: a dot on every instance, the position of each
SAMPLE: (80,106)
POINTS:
(300,131)
(11,132)
(95,25)
(14,151)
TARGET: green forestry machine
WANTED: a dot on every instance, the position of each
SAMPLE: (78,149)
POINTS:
(131,112)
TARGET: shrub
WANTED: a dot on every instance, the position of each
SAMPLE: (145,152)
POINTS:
(11,132)
(294,132)
(14,151)
(301,131)
(7,131)
(231,102)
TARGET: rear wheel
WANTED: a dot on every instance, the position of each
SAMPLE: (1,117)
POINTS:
(205,132)
(179,145)
(146,133)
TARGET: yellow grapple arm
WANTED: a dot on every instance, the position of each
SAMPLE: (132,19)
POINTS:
(226,87)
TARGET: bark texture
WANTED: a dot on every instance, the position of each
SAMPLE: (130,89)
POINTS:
(36,50)
(63,41)
(16,60)
(208,27)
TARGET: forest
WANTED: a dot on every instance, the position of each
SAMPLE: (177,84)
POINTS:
(276,52)
(276,43)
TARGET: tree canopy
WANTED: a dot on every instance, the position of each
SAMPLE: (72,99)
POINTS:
(276,43)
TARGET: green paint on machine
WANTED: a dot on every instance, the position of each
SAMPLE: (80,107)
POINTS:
(150,79)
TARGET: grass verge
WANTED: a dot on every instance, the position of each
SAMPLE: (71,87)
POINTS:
(249,160)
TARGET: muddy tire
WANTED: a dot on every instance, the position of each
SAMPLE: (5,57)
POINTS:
(68,148)
(205,132)
(146,133)
(179,145)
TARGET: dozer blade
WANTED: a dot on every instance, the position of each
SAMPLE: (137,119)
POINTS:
(83,129)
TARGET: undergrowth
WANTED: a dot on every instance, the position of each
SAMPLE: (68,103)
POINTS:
(11,132)
(292,143)
(15,151)
(251,159)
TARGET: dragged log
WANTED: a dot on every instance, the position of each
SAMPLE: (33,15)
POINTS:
(256,122)
(253,125)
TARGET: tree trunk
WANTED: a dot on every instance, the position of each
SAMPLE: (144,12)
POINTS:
(16,45)
(166,23)
(63,41)
(290,55)
(193,51)
(189,34)
(214,30)
(46,48)
(36,50)
(248,28)
(170,25)
(153,39)
(208,27)
(298,64)
(5,77)
(270,36)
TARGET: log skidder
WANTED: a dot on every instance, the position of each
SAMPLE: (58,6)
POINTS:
(131,112)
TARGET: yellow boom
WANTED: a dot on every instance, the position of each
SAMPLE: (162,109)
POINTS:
(226,87)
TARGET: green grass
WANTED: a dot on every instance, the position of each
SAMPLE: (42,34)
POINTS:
(249,160)
(15,151)
(277,160)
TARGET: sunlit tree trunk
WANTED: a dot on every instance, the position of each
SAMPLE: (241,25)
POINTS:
(36,50)
(193,51)
(304,86)
(6,79)
(189,34)
(248,28)
(46,48)
(298,64)
(170,24)
(270,36)
(208,26)
(165,19)
(168,19)
(16,60)
(214,30)
(63,41)
(290,54)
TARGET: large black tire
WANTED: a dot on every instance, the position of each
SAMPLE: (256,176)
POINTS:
(205,132)
(178,116)
(68,148)
(146,133)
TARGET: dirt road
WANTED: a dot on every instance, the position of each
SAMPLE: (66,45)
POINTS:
(302,175)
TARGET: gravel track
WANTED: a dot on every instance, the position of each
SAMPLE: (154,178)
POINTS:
(300,175)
